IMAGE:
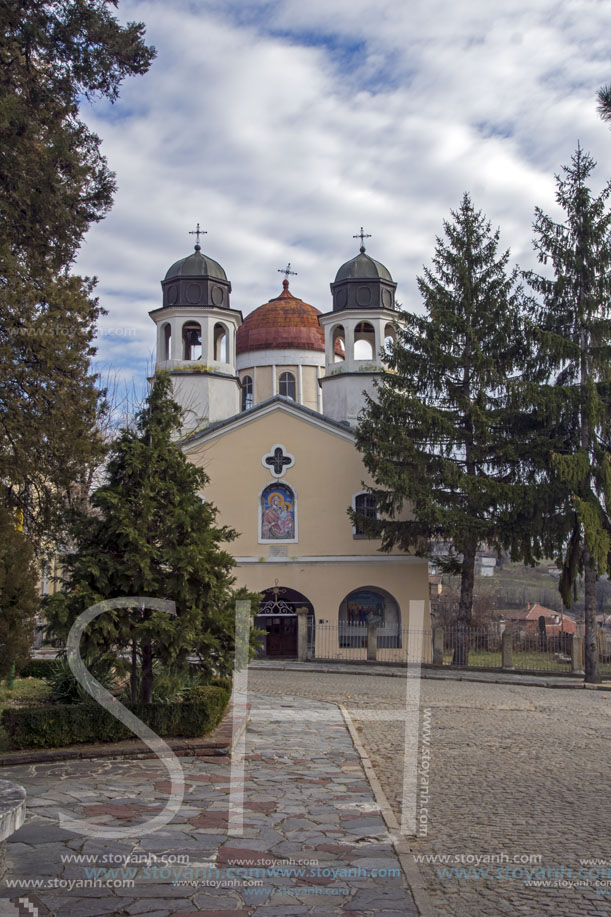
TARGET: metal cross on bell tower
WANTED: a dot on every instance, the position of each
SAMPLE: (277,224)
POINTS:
(198,232)
(362,235)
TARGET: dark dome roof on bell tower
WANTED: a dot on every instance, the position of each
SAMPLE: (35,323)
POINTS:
(196,265)
(196,280)
(363,267)
(363,283)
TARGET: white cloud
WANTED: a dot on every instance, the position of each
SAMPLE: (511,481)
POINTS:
(283,127)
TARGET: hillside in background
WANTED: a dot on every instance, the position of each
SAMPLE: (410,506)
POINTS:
(515,585)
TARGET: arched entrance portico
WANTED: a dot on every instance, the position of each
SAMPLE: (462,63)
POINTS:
(355,611)
(277,617)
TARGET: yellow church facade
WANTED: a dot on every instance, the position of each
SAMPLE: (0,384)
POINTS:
(272,406)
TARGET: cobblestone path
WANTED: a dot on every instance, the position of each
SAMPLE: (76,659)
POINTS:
(306,799)
(519,778)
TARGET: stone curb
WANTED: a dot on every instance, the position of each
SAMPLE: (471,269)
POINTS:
(219,742)
(500,679)
(399,841)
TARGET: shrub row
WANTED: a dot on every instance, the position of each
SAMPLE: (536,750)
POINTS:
(38,668)
(71,724)
(221,681)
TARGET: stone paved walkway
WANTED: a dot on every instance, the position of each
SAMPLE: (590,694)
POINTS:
(306,799)
(519,780)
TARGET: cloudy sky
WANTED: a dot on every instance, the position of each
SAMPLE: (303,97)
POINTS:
(283,126)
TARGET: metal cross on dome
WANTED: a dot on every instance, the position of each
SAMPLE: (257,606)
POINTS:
(278,460)
(198,232)
(362,235)
(287,270)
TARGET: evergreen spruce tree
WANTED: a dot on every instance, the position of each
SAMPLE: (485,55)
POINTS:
(54,182)
(438,441)
(19,600)
(573,357)
(150,533)
(603,97)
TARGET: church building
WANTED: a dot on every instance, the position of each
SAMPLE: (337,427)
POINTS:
(270,404)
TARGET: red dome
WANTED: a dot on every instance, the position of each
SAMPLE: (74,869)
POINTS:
(281,323)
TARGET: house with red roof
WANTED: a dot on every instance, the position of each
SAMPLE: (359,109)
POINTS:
(526,619)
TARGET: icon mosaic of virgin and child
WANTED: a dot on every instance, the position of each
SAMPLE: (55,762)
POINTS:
(278,512)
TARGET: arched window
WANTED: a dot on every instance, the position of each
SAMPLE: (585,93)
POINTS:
(191,341)
(220,343)
(166,341)
(277,514)
(339,344)
(358,609)
(247,397)
(287,385)
(365,504)
(364,341)
(390,337)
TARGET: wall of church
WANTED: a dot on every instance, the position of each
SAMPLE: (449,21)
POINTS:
(326,584)
(343,397)
(326,475)
(205,398)
(267,383)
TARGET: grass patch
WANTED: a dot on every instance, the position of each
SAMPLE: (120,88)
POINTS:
(24,693)
(521,660)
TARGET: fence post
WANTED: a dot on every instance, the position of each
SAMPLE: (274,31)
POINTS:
(302,634)
(438,646)
(372,641)
(577,655)
(507,648)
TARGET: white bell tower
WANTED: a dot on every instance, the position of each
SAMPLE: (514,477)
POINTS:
(196,339)
(363,319)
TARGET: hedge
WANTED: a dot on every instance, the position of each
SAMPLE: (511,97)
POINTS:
(71,724)
(38,668)
(221,681)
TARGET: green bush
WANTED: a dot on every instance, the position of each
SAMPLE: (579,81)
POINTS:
(65,689)
(71,724)
(221,682)
(170,684)
(38,668)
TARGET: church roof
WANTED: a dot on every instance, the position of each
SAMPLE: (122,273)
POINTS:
(283,322)
(362,267)
(196,265)
(277,402)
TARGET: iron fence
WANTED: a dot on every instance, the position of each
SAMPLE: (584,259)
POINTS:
(541,653)
(472,647)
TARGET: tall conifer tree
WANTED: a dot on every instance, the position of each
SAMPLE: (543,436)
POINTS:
(574,369)
(152,534)
(19,600)
(436,441)
(54,182)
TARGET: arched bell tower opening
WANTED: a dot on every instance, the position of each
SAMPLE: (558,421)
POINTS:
(166,341)
(196,333)
(191,341)
(364,341)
